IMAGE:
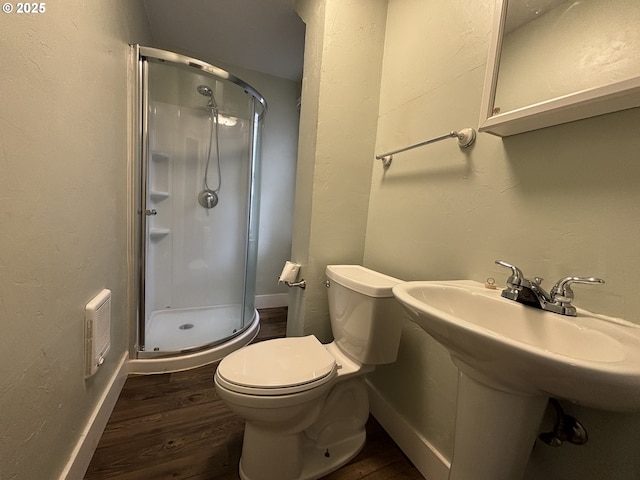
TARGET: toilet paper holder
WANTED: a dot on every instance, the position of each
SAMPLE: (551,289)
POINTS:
(301,284)
(289,275)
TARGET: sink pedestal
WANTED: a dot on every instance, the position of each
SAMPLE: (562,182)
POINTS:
(495,431)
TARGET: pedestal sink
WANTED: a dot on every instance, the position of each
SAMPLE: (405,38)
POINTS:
(511,359)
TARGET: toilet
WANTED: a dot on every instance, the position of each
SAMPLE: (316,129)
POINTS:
(305,404)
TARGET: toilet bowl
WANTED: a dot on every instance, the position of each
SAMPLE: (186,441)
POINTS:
(305,403)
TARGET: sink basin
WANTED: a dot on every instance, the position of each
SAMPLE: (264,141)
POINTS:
(590,359)
(511,358)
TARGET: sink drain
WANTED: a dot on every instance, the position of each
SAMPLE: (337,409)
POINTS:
(186,326)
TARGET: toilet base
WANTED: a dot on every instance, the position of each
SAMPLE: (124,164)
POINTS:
(314,462)
(335,437)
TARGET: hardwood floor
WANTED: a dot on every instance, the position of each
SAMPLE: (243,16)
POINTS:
(174,426)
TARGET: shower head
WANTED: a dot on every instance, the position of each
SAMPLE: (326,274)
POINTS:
(204,90)
(207,92)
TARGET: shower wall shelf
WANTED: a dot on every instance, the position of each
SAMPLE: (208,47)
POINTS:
(159,232)
(465,137)
(156,195)
(159,157)
(159,176)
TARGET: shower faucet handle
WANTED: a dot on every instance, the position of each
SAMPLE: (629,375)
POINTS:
(150,212)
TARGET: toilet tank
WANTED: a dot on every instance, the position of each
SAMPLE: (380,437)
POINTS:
(366,319)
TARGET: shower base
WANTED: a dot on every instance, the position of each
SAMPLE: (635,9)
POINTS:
(181,339)
(180,329)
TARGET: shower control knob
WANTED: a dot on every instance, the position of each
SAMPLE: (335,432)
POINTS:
(150,212)
(208,198)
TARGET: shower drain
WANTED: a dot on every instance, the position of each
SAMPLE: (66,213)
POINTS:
(186,326)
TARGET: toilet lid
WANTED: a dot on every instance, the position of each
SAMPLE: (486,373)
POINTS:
(301,362)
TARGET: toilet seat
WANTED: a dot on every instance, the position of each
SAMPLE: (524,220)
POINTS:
(281,366)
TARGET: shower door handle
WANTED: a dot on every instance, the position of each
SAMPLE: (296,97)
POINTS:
(150,212)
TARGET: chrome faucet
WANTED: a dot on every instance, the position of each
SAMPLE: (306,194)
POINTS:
(530,292)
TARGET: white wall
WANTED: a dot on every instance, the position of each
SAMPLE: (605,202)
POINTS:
(277,174)
(557,201)
(179,264)
(341,82)
(63,219)
(277,179)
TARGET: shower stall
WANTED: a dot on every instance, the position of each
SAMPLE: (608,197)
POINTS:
(199,129)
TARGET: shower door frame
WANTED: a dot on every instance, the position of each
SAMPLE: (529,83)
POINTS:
(141,53)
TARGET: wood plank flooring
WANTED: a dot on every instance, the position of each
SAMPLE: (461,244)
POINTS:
(174,426)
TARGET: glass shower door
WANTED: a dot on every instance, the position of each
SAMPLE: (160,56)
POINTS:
(199,267)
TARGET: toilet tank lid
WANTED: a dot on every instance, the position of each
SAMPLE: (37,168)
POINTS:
(362,280)
(277,363)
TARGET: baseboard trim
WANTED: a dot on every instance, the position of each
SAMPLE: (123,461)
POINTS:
(272,301)
(426,458)
(81,456)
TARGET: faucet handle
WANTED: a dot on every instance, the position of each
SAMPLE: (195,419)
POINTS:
(561,293)
(515,280)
